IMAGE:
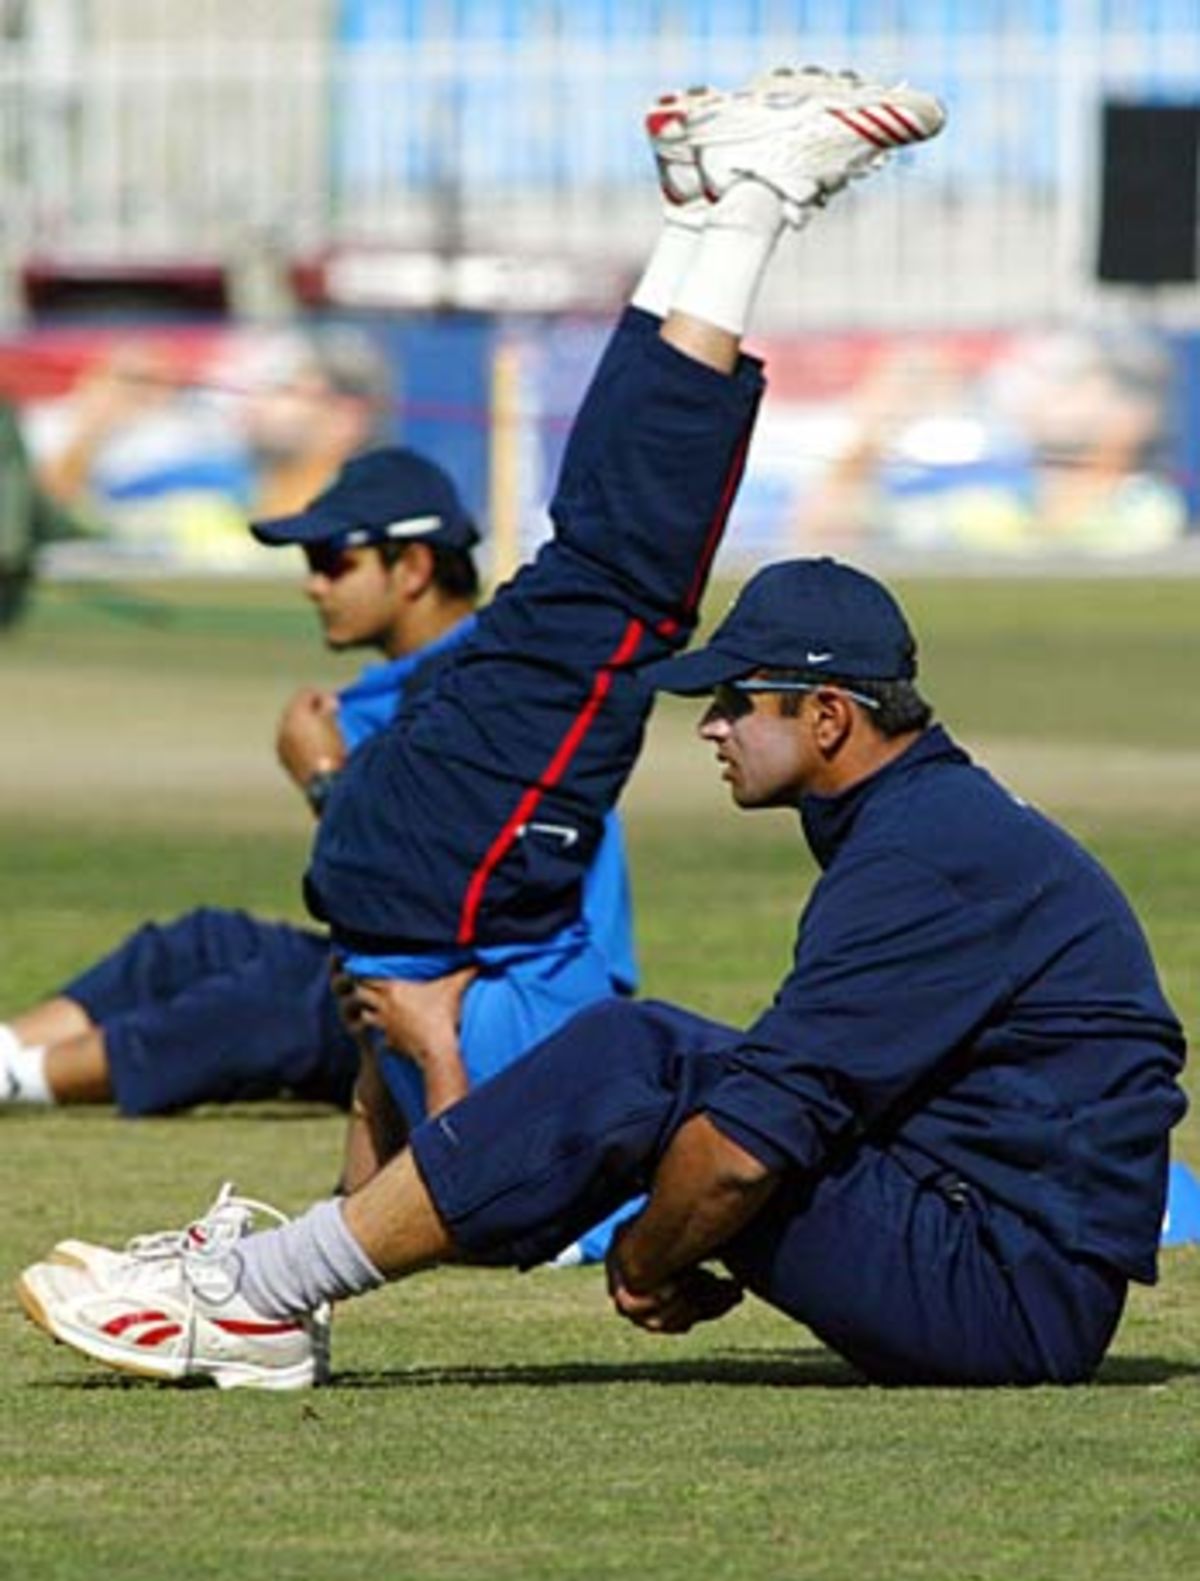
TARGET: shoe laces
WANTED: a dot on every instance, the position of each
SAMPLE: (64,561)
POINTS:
(226,1221)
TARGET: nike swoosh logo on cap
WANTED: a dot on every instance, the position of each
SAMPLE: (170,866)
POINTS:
(817,658)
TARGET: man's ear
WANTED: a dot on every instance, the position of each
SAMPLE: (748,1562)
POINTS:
(413,571)
(833,718)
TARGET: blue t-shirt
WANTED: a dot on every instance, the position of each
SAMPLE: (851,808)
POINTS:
(372,701)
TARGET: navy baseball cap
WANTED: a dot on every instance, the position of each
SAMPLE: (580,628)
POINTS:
(818,616)
(383,496)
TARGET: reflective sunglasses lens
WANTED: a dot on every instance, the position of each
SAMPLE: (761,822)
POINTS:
(327,560)
(730,702)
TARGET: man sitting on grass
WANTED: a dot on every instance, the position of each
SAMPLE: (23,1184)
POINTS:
(218,1006)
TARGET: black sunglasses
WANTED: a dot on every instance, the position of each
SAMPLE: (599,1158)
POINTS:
(735,699)
(328,560)
(768,685)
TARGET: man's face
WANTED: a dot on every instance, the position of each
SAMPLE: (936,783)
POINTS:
(282,420)
(354,596)
(767,758)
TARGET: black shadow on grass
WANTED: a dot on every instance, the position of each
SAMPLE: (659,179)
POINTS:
(1137,1372)
(271,1111)
(773,1369)
(777,1369)
(111,1382)
(259,1111)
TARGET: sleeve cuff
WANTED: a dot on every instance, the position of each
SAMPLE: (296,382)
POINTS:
(758,1146)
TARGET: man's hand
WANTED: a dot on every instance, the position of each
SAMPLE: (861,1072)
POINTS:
(345,992)
(705,1188)
(419,1021)
(308,740)
(693,1296)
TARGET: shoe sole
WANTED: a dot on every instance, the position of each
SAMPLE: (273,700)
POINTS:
(64,1334)
(226,1375)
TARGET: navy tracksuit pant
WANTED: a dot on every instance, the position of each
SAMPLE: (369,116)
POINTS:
(471,821)
(218,1007)
(913,1281)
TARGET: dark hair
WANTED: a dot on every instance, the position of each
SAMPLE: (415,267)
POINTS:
(901,707)
(455,573)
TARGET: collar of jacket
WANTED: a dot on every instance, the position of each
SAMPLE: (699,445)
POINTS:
(828,820)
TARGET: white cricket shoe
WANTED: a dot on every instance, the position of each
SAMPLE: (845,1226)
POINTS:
(668,127)
(806,133)
(666,123)
(168,1307)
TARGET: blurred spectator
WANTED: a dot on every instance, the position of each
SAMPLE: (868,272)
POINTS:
(130,389)
(313,400)
(171,459)
(1059,446)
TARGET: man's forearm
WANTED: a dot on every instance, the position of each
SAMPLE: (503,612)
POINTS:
(375,1129)
(705,1189)
(446,1079)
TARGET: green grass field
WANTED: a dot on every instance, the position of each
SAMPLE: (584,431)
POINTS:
(486,1425)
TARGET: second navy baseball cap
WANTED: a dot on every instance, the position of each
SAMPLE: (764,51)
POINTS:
(819,616)
(383,496)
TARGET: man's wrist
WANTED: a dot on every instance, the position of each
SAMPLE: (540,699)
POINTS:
(317,789)
(625,1265)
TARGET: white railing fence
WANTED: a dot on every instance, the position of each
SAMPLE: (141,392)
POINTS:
(170,130)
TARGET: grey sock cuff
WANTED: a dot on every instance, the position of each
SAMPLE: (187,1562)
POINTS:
(333,1237)
(291,1271)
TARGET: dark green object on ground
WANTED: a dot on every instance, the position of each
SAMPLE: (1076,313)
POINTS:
(28,520)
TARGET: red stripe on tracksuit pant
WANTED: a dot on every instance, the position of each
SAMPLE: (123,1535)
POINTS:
(430,840)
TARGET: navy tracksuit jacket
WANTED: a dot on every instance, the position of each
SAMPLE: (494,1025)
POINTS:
(967,1081)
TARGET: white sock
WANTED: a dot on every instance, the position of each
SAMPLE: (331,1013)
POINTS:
(289,1271)
(671,258)
(22,1071)
(721,283)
